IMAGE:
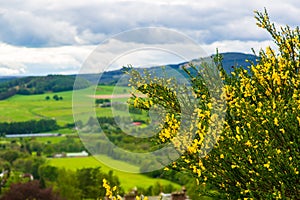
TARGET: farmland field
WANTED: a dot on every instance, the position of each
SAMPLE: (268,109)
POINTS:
(34,107)
(52,140)
(128,180)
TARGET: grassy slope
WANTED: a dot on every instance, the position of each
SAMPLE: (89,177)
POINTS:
(128,180)
(23,108)
(34,107)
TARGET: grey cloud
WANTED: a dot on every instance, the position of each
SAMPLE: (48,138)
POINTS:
(26,29)
(51,23)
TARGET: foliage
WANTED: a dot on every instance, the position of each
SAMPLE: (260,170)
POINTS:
(89,180)
(24,147)
(30,190)
(68,145)
(32,126)
(110,192)
(101,101)
(29,165)
(116,135)
(56,97)
(79,184)
(40,85)
(257,155)
(10,155)
(67,185)
(48,173)
(6,93)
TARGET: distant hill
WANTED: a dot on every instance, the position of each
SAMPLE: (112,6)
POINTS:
(10,86)
(7,78)
(230,60)
(39,85)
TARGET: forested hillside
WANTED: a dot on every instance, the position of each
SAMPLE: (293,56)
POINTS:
(39,85)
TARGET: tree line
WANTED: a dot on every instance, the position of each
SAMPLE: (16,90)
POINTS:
(40,85)
(32,126)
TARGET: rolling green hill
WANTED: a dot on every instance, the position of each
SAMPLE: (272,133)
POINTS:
(20,108)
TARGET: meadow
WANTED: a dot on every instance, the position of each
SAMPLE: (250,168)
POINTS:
(34,107)
(128,180)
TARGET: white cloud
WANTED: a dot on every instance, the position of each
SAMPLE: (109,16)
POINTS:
(22,60)
(238,46)
(69,59)
(8,71)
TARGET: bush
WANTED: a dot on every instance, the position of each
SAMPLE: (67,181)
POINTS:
(30,190)
(257,154)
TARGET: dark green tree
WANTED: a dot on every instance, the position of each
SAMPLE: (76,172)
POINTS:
(67,185)
(30,191)
(55,97)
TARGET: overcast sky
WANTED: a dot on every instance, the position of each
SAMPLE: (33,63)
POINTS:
(56,36)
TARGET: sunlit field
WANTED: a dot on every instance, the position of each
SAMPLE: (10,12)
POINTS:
(34,107)
(128,180)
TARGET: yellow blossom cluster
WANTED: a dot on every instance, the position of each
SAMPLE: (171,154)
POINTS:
(110,191)
(170,128)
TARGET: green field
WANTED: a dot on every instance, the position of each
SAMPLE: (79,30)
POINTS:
(52,140)
(128,180)
(34,107)
(109,89)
